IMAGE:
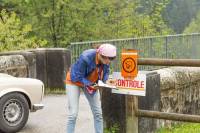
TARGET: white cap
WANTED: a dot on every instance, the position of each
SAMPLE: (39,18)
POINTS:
(107,49)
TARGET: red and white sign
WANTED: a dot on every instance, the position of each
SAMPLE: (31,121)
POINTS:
(136,86)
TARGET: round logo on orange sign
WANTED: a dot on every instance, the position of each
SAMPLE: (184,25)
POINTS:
(129,65)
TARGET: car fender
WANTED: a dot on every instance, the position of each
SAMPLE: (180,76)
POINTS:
(10,90)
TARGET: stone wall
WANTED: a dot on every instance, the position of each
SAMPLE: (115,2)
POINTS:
(29,58)
(47,64)
(15,65)
(180,91)
(51,66)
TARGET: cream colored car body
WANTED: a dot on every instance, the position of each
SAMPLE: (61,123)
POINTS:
(32,89)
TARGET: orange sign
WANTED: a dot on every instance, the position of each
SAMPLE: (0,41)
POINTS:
(129,63)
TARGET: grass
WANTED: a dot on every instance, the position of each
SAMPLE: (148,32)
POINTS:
(57,91)
(113,129)
(181,128)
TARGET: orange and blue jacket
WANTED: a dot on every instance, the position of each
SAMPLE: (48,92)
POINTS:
(86,70)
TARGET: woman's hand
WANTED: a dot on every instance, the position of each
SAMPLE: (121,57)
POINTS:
(111,82)
(95,86)
(91,89)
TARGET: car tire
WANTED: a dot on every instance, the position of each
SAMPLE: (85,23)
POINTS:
(14,112)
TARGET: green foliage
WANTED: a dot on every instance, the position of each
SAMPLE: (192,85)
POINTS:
(194,25)
(55,91)
(63,21)
(154,9)
(14,36)
(113,129)
(181,128)
(176,14)
(179,13)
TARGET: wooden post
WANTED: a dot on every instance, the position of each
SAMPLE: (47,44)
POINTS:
(131,118)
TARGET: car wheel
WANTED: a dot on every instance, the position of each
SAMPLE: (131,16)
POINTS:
(14,112)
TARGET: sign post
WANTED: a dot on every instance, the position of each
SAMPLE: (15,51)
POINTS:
(132,83)
(129,83)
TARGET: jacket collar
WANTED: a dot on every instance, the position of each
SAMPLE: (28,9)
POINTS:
(96,59)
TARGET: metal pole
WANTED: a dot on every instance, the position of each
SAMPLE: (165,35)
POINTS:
(169,62)
(169,116)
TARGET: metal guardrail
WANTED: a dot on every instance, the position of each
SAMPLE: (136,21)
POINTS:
(169,62)
(170,46)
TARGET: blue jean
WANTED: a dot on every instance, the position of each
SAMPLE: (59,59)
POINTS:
(73,94)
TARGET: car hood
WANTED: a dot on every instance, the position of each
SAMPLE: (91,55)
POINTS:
(15,80)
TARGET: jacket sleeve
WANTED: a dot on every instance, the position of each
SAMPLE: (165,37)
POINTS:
(78,73)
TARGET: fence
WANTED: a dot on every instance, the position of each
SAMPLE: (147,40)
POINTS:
(172,46)
(163,115)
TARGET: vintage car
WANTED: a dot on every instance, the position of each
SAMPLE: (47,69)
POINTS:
(18,96)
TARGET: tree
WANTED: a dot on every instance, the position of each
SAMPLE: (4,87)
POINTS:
(194,25)
(14,36)
(155,9)
(63,21)
(179,13)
